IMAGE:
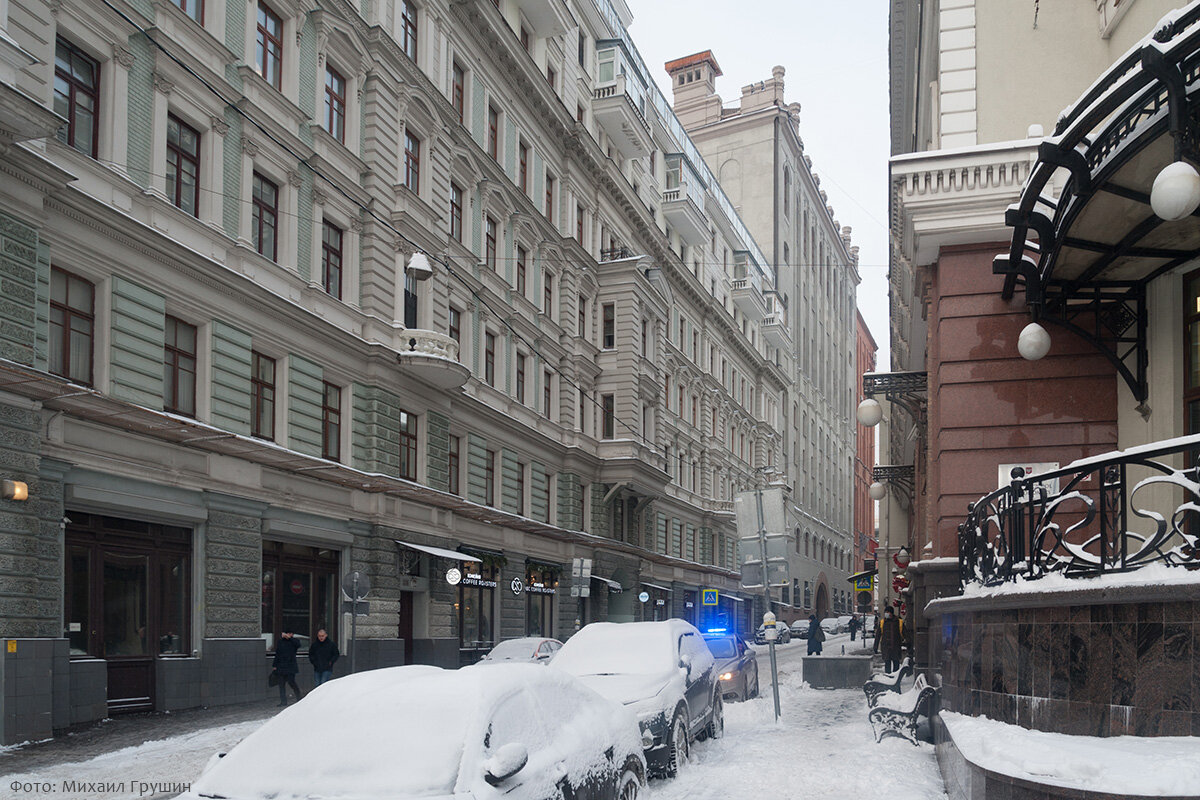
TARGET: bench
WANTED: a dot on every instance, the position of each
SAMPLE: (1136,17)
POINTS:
(882,682)
(897,714)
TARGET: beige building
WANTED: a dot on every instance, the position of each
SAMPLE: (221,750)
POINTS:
(756,150)
(228,385)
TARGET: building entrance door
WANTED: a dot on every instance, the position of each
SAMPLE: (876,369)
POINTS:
(405,632)
(125,621)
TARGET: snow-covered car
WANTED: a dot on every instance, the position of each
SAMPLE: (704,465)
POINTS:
(512,731)
(785,634)
(844,623)
(737,665)
(830,626)
(799,629)
(663,672)
(538,649)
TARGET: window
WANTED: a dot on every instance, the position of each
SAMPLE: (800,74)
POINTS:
(331,422)
(408,28)
(523,167)
(489,477)
(458,82)
(72,326)
(581,321)
(489,243)
(520,488)
(268,56)
(408,445)
(455,326)
(520,378)
(183,165)
(331,258)
(582,43)
(522,257)
(493,133)
(489,359)
(262,397)
(453,465)
(193,8)
(608,403)
(476,600)
(335,104)
(551,76)
(610,326)
(525,42)
(179,367)
(299,589)
(696,347)
(549,197)
(645,339)
(77,96)
(579,224)
(456,210)
(412,163)
(548,296)
(410,301)
(546,393)
(265,214)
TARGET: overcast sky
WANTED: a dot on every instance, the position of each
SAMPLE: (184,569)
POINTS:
(835,54)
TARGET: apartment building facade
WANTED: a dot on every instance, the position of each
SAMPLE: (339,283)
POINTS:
(811,329)
(229,385)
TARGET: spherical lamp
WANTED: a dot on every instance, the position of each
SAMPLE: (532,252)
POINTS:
(869,412)
(877,490)
(1176,191)
(1034,342)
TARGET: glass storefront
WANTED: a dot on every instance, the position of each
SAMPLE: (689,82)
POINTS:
(476,610)
(298,592)
(541,582)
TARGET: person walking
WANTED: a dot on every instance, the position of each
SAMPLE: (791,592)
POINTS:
(854,626)
(285,665)
(889,640)
(815,635)
(323,653)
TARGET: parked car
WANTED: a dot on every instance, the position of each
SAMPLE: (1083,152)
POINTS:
(870,626)
(663,671)
(736,665)
(844,623)
(785,634)
(529,648)
(799,629)
(513,731)
(830,626)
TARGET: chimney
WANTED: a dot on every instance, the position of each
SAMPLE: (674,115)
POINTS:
(694,86)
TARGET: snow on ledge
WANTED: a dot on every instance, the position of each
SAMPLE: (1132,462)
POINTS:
(1121,765)
(1149,575)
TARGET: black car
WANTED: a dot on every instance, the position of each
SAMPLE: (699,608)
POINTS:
(785,634)
(737,665)
(663,672)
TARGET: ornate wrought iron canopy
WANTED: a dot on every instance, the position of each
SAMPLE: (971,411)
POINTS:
(904,389)
(1085,257)
(902,475)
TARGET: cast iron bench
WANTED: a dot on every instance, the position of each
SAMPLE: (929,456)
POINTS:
(886,682)
(897,714)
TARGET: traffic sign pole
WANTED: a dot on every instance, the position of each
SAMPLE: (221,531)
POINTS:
(762,546)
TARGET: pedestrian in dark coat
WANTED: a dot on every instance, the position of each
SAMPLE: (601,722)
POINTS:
(815,635)
(854,626)
(323,653)
(285,665)
(889,640)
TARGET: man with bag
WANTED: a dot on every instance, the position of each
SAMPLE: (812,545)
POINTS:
(285,665)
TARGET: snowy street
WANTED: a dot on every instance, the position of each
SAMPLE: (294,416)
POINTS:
(822,747)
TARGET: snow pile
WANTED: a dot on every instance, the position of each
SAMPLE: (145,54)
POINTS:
(1120,765)
(618,648)
(1150,575)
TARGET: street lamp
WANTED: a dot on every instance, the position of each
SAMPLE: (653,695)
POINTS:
(1034,342)
(1175,194)
(15,490)
(869,413)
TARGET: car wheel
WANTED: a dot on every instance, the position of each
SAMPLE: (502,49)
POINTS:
(630,785)
(678,748)
(755,692)
(716,724)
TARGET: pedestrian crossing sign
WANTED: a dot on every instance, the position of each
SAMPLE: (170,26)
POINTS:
(708,597)
(864,582)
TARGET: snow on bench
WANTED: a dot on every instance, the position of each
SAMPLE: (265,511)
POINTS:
(882,682)
(897,714)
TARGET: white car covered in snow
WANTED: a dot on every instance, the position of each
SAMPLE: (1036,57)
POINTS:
(513,731)
(663,671)
(537,649)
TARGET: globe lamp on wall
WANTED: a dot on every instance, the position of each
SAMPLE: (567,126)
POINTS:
(869,412)
(1176,191)
(877,490)
(1034,342)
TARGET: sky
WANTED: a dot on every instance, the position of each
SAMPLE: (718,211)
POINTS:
(835,54)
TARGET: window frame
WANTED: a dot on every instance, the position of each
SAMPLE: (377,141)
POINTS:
(176,157)
(335,104)
(454,465)
(608,404)
(197,6)
(412,162)
(608,337)
(331,273)
(493,132)
(407,464)
(489,358)
(264,38)
(458,91)
(520,377)
(521,270)
(456,211)
(259,388)
(406,13)
(175,364)
(75,87)
(331,422)
(257,219)
(489,242)
(67,326)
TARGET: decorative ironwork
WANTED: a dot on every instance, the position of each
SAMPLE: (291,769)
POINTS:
(904,389)
(1100,520)
(616,254)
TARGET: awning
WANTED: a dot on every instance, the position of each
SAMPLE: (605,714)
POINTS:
(614,585)
(453,555)
(858,575)
(733,597)
(655,586)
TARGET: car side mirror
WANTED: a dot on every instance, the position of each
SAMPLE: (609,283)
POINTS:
(506,762)
(542,656)
(685,661)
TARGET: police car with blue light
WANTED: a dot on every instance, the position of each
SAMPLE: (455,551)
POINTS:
(736,664)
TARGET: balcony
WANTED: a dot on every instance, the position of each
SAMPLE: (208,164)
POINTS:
(775,331)
(431,357)
(747,288)
(617,107)
(548,17)
(683,199)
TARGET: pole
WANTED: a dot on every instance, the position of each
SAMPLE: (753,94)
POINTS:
(762,548)
(354,622)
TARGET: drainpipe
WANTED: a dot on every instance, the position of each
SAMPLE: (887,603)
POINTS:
(775,199)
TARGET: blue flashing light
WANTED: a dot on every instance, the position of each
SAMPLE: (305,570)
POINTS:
(717,630)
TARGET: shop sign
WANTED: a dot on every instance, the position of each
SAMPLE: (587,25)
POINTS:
(660,602)
(516,586)
(453,576)
(472,579)
(644,596)
(539,588)
(688,604)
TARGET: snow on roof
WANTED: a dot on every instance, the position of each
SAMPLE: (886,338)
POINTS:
(1118,765)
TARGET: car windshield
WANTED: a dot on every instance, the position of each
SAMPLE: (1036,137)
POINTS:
(627,648)
(513,650)
(722,648)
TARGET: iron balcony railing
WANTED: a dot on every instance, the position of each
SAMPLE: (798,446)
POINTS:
(1111,513)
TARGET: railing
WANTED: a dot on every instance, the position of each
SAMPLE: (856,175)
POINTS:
(414,341)
(1034,526)
(616,254)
